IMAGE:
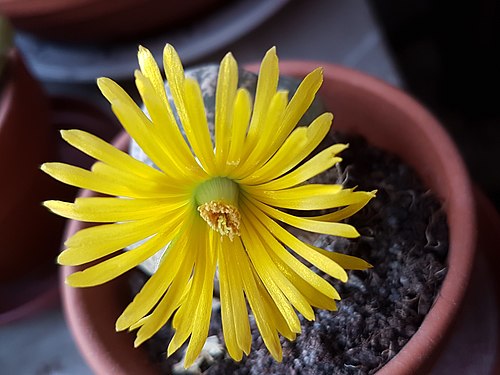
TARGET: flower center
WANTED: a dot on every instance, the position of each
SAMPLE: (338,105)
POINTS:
(217,201)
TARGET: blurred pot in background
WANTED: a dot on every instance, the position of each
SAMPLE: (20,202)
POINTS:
(29,235)
(100,21)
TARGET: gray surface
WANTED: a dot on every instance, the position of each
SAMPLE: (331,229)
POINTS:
(40,345)
(339,31)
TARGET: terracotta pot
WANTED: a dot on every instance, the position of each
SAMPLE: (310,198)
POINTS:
(26,141)
(388,119)
(30,235)
(97,21)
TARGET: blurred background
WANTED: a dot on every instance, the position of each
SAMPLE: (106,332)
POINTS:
(443,53)
(447,56)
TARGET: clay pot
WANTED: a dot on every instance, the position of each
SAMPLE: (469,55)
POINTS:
(388,119)
(28,240)
(30,235)
(98,21)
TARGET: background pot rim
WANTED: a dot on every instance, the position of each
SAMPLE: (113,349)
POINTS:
(458,203)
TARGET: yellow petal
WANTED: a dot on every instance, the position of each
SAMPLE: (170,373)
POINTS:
(298,105)
(265,311)
(201,318)
(164,127)
(150,69)
(103,151)
(151,187)
(100,209)
(296,147)
(316,165)
(311,197)
(111,268)
(271,276)
(315,226)
(159,282)
(303,97)
(239,307)
(183,321)
(92,180)
(175,75)
(243,107)
(347,211)
(320,285)
(311,294)
(227,84)
(345,261)
(231,293)
(320,261)
(270,279)
(168,304)
(267,83)
(96,242)
(227,315)
(196,126)
(139,127)
(260,153)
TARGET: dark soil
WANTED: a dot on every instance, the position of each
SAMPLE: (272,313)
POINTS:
(404,235)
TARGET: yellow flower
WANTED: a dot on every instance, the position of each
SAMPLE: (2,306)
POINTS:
(215,207)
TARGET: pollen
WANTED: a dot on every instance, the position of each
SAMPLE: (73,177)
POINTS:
(221,217)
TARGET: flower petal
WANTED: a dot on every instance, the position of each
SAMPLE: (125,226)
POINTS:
(267,83)
(178,290)
(296,147)
(227,85)
(320,285)
(106,209)
(315,226)
(193,316)
(345,261)
(236,327)
(114,267)
(267,315)
(322,262)
(160,281)
(103,151)
(151,71)
(316,165)
(298,105)
(311,197)
(260,153)
(201,318)
(92,180)
(347,211)
(274,284)
(164,126)
(227,316)
(243,107)
(271,275)
(96,242)
(196,126)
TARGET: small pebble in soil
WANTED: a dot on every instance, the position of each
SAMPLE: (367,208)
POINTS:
(404,235)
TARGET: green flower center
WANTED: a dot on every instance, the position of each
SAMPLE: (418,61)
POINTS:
(217,201)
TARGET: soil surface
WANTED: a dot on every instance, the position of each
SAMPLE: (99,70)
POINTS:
(404,235)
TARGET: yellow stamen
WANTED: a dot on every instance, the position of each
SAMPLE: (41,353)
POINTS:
(221,217)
